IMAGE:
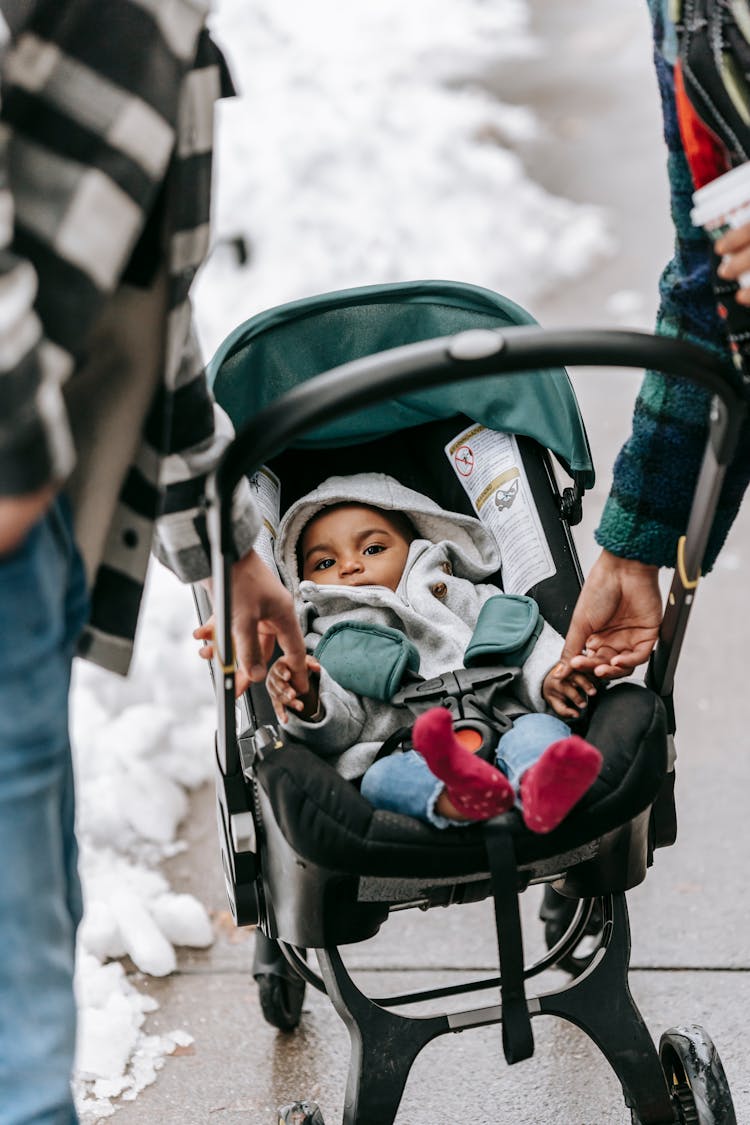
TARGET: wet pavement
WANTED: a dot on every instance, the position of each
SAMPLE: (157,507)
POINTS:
(691,953)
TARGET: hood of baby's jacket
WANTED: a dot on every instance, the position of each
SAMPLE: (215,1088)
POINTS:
(474,552)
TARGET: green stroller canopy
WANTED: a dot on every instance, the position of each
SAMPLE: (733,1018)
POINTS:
(274,351)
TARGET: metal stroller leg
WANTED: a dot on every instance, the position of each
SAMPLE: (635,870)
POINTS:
(383,1046)
(616,1026)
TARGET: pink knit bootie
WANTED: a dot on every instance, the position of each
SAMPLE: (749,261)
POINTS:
(553,785)
(473,786)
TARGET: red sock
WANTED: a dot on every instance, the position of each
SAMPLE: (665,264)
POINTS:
(554,784)
(474,786)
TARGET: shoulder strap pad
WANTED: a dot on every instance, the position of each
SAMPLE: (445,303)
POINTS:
(507,629)
(370,660)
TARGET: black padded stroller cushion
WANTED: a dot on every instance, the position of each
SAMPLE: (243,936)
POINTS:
(326,821)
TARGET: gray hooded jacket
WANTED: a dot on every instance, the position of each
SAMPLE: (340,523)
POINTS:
(435,606)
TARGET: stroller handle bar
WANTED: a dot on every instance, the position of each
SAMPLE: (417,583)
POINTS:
(467,355)
(430,363)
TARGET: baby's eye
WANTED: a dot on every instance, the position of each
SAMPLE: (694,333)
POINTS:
(323,564)
(374,549)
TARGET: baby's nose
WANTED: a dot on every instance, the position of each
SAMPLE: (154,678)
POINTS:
(349,566)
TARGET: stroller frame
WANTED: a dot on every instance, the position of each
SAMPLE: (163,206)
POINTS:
(374,1090)
(384,1044)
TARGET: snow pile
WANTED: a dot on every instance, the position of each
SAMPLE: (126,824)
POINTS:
(364,150)
(115,1058)
(140,745)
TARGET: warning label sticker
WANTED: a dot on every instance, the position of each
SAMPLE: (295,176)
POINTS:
(266,489)
(489,466)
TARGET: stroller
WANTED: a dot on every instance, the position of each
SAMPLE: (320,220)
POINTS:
(431,381)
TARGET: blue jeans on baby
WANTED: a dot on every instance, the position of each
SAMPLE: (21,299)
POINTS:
(43,606)
(403,783)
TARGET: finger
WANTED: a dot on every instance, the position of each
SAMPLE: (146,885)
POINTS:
(611,672)
(278,673)
(626,653)
(292,643)
(732,265)
(576,640)
(279,686)
(733,240)
(280,689)
(584,683)
(241,683)
(280,711)
(563,709)
(585,664)
(204,632)
(249,654)
(267,644)
(573,695)
(274,686)
(639,654)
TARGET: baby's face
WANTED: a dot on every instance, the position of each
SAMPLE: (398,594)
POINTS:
(353,546)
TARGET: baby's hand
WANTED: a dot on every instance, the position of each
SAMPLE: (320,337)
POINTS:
(284,694)
(734,248)
(567,691)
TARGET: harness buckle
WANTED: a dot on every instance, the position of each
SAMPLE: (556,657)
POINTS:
(468,693)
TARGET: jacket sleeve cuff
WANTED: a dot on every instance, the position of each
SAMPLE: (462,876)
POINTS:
(544,656)
(631,536)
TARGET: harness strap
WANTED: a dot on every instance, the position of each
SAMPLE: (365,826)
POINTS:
(518,1038)
(400,739)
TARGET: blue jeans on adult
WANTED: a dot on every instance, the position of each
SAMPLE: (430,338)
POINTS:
(43,606)
(403,783)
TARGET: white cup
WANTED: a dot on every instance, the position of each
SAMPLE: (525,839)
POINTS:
(724,204)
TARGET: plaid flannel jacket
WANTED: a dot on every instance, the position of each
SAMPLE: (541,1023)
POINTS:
(106,123)
(656,470)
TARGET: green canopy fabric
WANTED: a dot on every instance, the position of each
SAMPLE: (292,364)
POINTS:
(276,350)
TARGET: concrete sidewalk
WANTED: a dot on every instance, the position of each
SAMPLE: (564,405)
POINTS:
(691,955)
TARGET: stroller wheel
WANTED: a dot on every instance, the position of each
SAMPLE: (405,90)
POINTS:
(557,913)
(281,1000)
(696,1077)
(281,991)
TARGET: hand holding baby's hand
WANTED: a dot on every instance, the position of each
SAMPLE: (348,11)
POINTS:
(567,691)
(284,694)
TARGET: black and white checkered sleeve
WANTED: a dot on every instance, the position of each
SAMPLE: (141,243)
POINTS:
(36,446)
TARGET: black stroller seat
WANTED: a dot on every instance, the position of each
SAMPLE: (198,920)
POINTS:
(324,818)
(305,856)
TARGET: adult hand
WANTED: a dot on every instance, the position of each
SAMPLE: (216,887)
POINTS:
(616,619)
(734,248)
(262,614)
(18,514)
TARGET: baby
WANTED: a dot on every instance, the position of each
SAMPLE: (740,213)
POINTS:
(386,581)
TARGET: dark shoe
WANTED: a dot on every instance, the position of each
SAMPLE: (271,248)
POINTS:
(301,1113)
